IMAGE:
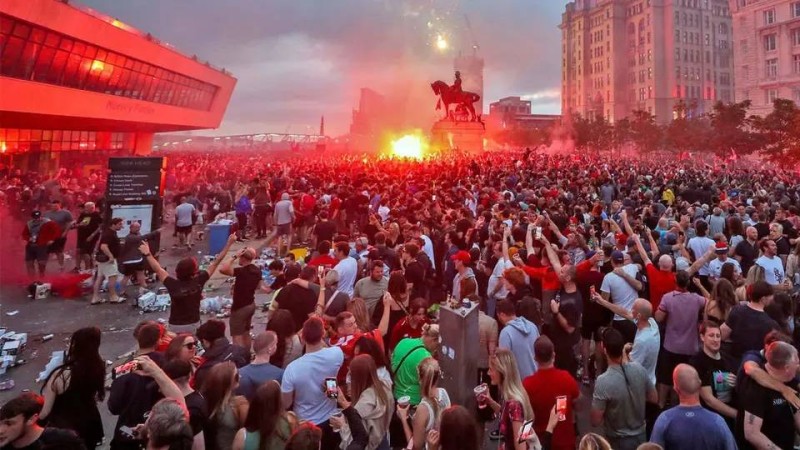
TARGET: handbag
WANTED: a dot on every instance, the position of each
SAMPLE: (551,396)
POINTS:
(99,256)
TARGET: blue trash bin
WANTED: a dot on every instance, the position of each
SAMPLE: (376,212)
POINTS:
(217,237)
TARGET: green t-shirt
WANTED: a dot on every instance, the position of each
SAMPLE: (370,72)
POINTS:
(406,379)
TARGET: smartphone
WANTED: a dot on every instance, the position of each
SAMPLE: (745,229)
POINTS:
(433,197)
(331,389)
(538,232)
(126,368)
(526,432)
(127,431)
(561,407)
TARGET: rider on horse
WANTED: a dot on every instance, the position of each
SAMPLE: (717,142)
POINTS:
(456,87)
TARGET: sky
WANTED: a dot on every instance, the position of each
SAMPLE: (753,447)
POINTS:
(297,60)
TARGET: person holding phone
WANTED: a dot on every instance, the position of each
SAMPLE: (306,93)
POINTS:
(516,409)
(548,387)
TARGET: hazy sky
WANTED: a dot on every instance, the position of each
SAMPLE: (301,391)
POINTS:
(299,59)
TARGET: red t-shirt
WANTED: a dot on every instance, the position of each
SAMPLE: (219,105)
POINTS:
(660,283)
(404,330)
(324,261)
(546,274)
(543,387)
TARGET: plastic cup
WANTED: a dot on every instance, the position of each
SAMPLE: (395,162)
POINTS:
(480,392)
(404,401)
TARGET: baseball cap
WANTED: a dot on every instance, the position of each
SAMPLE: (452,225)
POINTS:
(721,247)
(671,238)
(462,256)
(590,254)
(617,256)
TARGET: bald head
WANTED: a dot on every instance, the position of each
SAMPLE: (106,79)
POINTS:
(686,381)
(135,227)
(643,308)
(665,263)
(264,343)
(248,255)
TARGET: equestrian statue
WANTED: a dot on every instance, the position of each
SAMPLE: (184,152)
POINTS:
(454,95)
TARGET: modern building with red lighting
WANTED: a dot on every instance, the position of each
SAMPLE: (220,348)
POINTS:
(73,80)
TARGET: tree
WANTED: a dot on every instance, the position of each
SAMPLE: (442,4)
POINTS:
(780,133)
(645,133)
(731,129)
(687,134)
(621,133)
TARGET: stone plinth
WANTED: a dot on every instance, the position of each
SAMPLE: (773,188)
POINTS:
(464,136)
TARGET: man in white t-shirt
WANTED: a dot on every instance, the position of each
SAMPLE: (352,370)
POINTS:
(699,246)
(184,219)
(347,268)
(770,266)
(496,289)
(303,385)
(715,265)
(622,288)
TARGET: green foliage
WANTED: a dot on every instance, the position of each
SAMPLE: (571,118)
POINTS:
(779,133)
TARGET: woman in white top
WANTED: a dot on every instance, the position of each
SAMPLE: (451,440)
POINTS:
(373,400)
(429,411)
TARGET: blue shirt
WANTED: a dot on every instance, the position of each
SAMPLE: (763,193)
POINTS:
(692,428)
(252,376)
(243,206)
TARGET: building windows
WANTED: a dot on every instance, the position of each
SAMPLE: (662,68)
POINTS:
(29,52)
(796,61)
(23,140)
(795,9)
(771,42)
(769,16)
(796,37)
(771,68)
(771,95)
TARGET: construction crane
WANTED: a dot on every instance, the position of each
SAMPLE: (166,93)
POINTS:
(475,46)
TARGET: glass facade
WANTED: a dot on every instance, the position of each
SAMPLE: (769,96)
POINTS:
(30,52)
(14,140)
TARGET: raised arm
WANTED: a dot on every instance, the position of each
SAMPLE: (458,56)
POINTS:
(144,249)
(623,216)
(552,255)
(641,251)
(701,261)
(213,267)
(616,309)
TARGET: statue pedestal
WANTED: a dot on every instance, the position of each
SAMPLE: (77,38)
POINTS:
(464,136)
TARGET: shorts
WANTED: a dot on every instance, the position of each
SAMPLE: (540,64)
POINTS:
(284,229)
(36,253)
(667,361)
(591,330)
(57,246)
(130,270)
(188,328)
(183,230)
(86,248)
(242,320)
(627,328)
(107,269)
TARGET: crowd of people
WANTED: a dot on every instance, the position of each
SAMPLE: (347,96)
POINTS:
(663,290)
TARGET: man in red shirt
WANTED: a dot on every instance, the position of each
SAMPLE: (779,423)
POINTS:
(324,258)
(38,234)
(661,279)
(543,387)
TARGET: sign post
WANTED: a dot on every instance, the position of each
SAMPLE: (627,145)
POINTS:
(134,192)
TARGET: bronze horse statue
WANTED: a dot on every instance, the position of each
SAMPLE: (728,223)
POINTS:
(460,99)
